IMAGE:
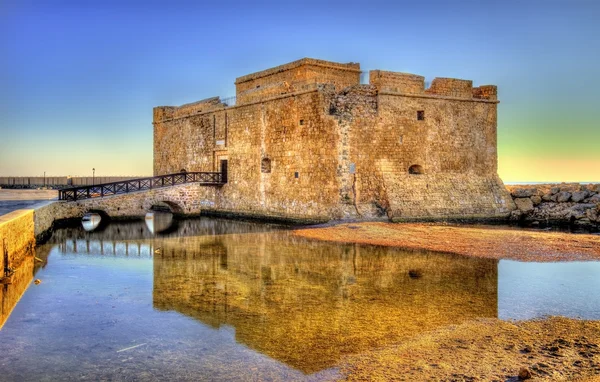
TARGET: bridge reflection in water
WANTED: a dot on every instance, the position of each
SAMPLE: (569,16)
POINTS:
(308,304)
(106,248)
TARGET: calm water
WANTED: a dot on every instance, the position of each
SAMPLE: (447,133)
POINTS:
(212,299)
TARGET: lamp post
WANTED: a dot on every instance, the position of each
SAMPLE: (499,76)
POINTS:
(44,179)
(93,176)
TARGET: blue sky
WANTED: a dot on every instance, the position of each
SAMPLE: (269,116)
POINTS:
(79,79)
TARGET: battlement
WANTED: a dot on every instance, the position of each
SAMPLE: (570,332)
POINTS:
(295,76)
(486,92)
(309,73)
(451,87)
(407,83)
(162,113)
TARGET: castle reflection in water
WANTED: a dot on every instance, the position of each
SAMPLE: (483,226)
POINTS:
(304,303)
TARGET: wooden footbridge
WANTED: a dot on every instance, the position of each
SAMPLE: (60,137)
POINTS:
(142,184)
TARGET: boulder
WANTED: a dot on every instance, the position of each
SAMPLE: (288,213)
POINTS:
(536,199)
(524,374)
(593,215)
(579,196)
(524,192)
(515,215)
(594,199)
(524,204)
(552,212)
(569,187)
(578,214)
(555,190)
(563,196)
(549,198)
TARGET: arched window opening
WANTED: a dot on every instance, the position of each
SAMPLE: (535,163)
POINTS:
(265,166)
(415,169)
(182,170)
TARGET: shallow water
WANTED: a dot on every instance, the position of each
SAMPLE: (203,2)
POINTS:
(213,299)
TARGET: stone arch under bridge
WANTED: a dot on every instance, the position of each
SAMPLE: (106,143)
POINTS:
(167,206)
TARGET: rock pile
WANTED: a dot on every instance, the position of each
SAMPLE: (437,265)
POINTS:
(572,204)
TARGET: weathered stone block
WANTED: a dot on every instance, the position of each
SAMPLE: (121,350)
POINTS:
(548,197)
(536,199)
(524,192)
(524,204)
(578,196)
(594,199)
(563,196)
(593,214)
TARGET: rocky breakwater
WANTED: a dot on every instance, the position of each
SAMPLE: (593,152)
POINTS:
(563,204)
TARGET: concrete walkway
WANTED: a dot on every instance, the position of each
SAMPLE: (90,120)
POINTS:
(11,200)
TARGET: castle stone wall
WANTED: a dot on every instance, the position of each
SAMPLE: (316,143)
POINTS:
(390,148)
(454,146)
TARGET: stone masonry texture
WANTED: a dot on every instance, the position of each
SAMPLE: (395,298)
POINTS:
(307,140)
(16,239)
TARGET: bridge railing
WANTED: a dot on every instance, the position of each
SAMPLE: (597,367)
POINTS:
(140,184)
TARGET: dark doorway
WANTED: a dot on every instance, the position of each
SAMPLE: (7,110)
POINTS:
(224,170)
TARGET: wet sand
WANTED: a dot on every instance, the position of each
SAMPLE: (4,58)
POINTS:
(478,241)
(553,349)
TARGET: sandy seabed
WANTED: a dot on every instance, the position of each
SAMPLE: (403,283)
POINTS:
(492,242)
(550,349)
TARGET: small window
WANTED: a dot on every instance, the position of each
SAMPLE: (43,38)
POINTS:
(420,115)
(296,175)
(401,139)
(265,166)
(182,170)
(415,169)
(301,122)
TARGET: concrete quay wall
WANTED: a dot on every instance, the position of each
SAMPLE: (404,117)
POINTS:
(16,238)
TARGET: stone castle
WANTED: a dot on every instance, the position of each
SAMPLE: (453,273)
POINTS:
(306,140)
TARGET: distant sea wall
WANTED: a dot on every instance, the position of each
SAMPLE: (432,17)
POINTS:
(571,204)
(58,181)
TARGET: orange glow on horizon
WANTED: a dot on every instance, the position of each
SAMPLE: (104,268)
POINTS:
(524,169)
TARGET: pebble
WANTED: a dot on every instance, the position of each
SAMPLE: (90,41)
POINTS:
(524,373)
